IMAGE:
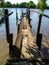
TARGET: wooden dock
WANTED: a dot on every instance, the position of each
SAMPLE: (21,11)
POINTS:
(29,47)
(25,41)
(24,50)
(25,46)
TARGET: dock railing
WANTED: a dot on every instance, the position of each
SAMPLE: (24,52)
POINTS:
(38,39)
(9,36)
(39,35)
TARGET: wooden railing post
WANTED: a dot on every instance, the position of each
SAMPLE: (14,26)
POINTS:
(39,36)
(11,44)
(16,17)
(8,35)
(22,14)
(39,40)
(7,25)
(28,15)
(17,20)
(39,24)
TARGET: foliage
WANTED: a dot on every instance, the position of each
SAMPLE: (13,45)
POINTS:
(8,4)
(28,5)
(41,5)
(32,4)
(23,4)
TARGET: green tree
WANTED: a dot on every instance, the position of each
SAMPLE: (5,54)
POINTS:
(2,3)
(17,5)
(8,4)
(42,5)
(32,5)
(13,5)
(23,4)
(28,5)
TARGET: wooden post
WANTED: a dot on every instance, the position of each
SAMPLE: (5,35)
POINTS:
(39,36)
(18,27)
(11,44)
(8,35)
(22,14)
(39,24)
(7,25)
(16,17)
(39,40)
(17,20)
(28,14)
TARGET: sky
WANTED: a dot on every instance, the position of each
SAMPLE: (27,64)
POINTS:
(19,1)
(48,2)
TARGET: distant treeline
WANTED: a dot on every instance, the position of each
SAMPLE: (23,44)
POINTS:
(30,4)
(23,5)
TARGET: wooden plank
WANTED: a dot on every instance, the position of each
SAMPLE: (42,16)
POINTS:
(25,39)
(25,47)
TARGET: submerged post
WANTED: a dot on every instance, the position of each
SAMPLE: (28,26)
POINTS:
(39,36)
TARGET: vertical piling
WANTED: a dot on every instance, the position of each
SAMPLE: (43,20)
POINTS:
(28,15)
(8,35)
(10,44)
(39,36)
(17,20)
(7,25)
(16,17)
(39,24)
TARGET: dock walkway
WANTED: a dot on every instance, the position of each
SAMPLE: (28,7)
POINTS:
(23,50)
(25,46)
(29,47)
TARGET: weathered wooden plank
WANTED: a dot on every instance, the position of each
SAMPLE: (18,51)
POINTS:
(29,48)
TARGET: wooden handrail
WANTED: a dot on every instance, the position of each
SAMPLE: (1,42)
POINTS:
(4,17)
(27,60)
(41,14)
